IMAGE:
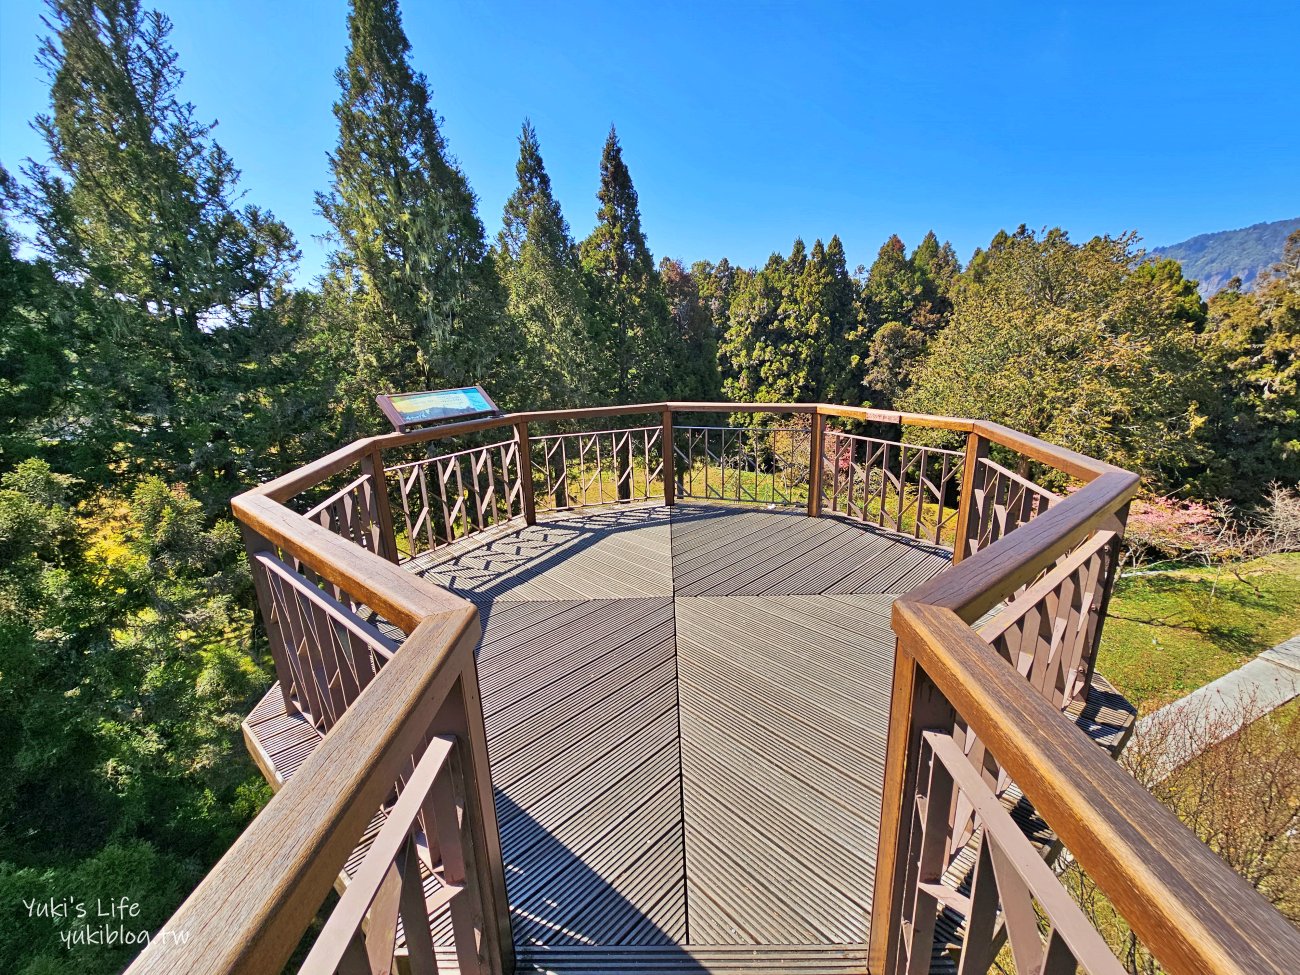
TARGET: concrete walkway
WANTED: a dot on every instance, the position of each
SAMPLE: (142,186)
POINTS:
(1216,711)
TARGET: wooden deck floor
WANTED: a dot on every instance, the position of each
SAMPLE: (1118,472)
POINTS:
(686,718)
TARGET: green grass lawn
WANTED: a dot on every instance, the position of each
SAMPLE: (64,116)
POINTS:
(1168,634)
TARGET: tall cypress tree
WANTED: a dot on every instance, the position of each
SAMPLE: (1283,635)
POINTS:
(409,285)
(907,301)
(175,281)
(629,312)
(837,379)
(787,334)
(545,298)
(749,350)
(694,338)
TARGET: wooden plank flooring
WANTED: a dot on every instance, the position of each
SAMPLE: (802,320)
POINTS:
(618,554)
(581,712)
(784,718)
(686,718)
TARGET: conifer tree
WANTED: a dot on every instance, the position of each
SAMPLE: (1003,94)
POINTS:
(140,202)
(1254,348)
(840,309)
(906,301)
(629,313)
(36,346)
(937,267)
(176,283)
(786,340)
(1081,344)
(411,294)
(750,364)
(716,282)
(694,337)
(537,262)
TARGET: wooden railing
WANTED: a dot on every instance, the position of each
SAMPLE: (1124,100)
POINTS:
(963,693)
(397,729)
(584,470)
(452,496)
(909,488)
(324,653)
(1009,879)
(401,744)
(420,862)
(749,464)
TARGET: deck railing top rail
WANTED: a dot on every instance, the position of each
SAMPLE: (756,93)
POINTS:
(1187,906)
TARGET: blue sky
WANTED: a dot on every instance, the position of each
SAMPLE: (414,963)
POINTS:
(745,125)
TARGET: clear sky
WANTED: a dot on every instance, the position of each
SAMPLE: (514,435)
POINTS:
(747,124)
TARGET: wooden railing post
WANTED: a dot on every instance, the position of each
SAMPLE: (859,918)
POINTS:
(523,446)
(253,544)
(669,460)
(372,465)
(486,906)
(915,705)
(972,481)
(1107,587)
(815,466)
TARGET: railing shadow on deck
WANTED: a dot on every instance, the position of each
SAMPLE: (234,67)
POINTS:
(521,553)
(967,715)
(607,918)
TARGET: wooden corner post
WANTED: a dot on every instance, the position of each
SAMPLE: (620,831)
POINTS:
(669,461)
(525,454)
(372,465)
(972,482)
(915,705)
(253,545)
(815,458)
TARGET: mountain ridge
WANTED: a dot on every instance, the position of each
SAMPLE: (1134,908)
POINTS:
(1213,259)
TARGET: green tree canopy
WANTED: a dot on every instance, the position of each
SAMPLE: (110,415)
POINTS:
(174,288)
(906,301)
(1080,344)
(694,335)
(36,339)
(789,325)
(537,262)
(1254,341)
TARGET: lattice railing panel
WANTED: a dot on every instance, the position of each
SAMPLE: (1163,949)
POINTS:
(1049,633)
(352,512)
(417,874)
(906,488)
(1003,501)
(758,465)
(324,653)
(452,496)
(583,470)
(1014,897)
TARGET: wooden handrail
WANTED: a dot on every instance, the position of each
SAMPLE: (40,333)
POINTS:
(1062,458)
(401,597)
(981,581)
(868,415)
(248,914)
(1191,910)
(1068,461)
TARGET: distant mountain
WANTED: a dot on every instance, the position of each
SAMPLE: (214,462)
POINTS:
(1215,259)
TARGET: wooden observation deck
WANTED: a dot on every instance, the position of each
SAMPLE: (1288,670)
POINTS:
(793,695)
